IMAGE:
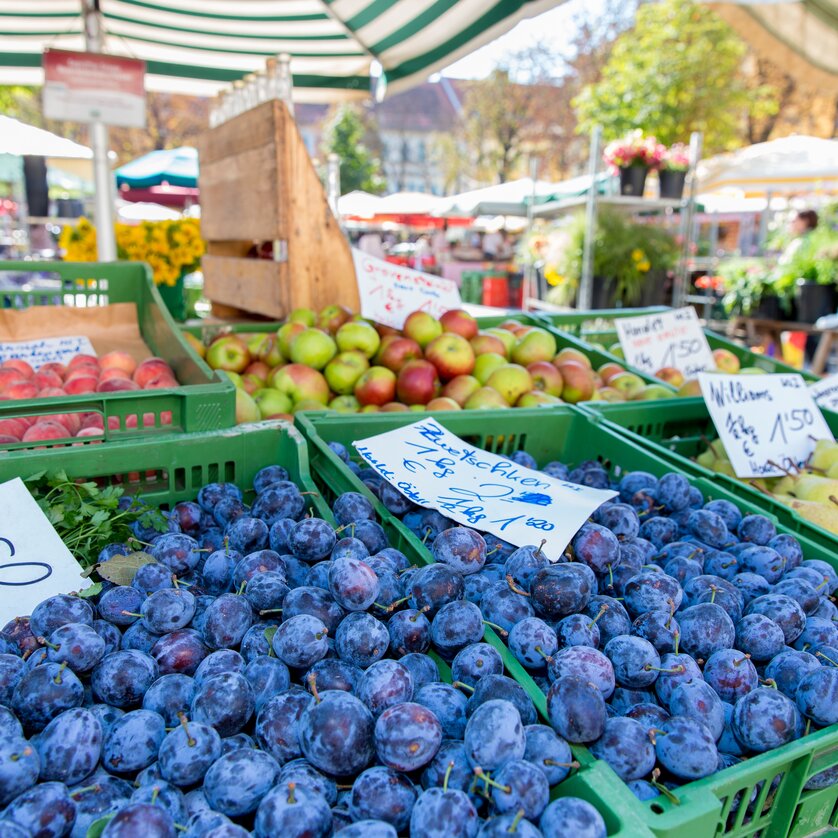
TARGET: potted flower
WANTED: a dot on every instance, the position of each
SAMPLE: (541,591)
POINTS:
(632,156)
(674,164)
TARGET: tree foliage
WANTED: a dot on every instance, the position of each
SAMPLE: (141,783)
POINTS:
(347,136)
(676,71)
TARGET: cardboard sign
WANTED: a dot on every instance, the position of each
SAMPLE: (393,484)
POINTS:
(825,392)
(34,563)
(48,350)
(91,87)
(434,468)
(767,423)
(670,339)
(389,293)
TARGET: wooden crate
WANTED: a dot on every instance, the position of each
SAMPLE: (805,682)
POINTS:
(258,185)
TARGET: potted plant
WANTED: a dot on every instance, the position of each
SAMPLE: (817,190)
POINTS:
(672,174)
(631,157)
(808,278)
(749,290)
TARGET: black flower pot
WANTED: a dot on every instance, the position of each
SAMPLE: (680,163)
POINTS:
(768,308)
(813,300)
(633,180)
(602,293)
(672,183)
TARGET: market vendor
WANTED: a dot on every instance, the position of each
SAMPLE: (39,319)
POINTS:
(801,225)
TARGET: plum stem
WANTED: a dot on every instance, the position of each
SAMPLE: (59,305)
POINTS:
(662,788)
(59,677)
(513,587)
(132,614)
(513,827)
(489,781)
(502,631)
(540,546)
(190,740)
(448,771)
(291,787)
(553,762)
(464,686)
(312,683)
(825,657)
(602,609)
(79,792)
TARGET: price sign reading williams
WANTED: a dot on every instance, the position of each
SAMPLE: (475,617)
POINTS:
(436,469)
(767,423)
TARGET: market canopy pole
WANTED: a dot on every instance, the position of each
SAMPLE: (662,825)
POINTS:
(586,286)
(102,175)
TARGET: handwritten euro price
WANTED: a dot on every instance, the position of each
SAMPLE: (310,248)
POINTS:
(790,422)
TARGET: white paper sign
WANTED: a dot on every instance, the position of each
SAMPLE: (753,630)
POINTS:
(34,563)
(765,422)
(436,469)
(389,293)
(46,350)
(669,339)
(825,392)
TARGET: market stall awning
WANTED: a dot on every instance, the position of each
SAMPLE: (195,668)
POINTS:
(788,165)
(509,198)
(801,36)
(196,46)
(21,139)
(175,166)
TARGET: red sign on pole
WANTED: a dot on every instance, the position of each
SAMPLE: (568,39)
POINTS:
(91,87)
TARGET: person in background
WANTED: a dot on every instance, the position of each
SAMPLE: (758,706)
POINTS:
(370,243)
(492,244)
(801,225)
(439,243)
(421,251)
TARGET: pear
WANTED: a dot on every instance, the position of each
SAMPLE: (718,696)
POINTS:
(825,454)
(706,458)
(723,467)
(816,513)
(815,488)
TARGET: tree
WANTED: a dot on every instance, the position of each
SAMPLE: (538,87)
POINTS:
(676,71)
(346,136)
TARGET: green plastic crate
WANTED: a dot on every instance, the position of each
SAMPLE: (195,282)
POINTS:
(208,332)
(575,322)
(707,807)
(205,399)
(679,432)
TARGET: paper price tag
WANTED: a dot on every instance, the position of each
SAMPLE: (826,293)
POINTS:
(34,562)
(389,293)
(670,339)
(436,469)
(825,392)
(765,422)
(47,350)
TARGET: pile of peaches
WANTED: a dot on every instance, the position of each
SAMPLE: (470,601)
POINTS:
(82,375)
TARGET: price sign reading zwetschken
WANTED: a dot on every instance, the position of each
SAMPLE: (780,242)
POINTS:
(436,469)
(389,293)
(767,423)
(670,339)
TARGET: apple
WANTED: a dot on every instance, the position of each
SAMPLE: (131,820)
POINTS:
(376,386)
(270,353)
(535,345)
(118,360)
(537,398)
(459,322)
(578,382)
(506,337)
(568,353)
(628,384)
(442,403)
(22,390)
(609,394)
(300,382)
(259,369)
(195,344)
(306,316)
(397,352)
(345,404)
(422,327)
(671,376)
(511,381)
(314,348)
(617,351)
(546,378)
(252,383)
(689,388)
(461,388)
(726,361)
(607,371)
(153,368)
(485,365)
(370,408)
(654,391)
(285,335)
(386,340)
(485,399)
(308,406)
(451,354)
(358,335)
(483,342)
(394,407)
(115,385)
(21,366)
(9,376)
(270,402)
(417,383)
(344,370)
(234,377)
(751,371)
(512,326)
(46,379)
(333,317)
(53,366)
(228,352)
(246,408)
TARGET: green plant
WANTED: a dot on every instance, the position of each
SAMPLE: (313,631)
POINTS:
(746,282)
(814,260)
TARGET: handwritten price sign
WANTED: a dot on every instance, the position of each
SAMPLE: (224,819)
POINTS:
(825,392)
(389,293)
(766,423)
(669,339)
(48,350)
(438,470)
(34,563)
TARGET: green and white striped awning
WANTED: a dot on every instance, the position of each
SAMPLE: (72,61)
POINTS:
(196,46)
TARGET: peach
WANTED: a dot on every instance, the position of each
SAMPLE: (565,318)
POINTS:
(8,439)
(46,379)
(88,432)
(92,420)
(76,360)
(53,366)
(71,421)
(82,370)
(10,376)
(114,385)
(114,372)
(21,366)
(118,360)
(150,369)
(81,384)
(45,429)
(13,427)
(25,390)
(52,392)
(161,382)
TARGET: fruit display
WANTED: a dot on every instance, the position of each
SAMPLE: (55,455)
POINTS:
(114,372)
(258,671)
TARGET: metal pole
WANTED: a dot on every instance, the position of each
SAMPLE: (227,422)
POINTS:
(529,268)
(102,174)
(586,286)
(333,182)
(679,289)
(763,223)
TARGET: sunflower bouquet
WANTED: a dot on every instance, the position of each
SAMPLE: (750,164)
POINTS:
(171,248)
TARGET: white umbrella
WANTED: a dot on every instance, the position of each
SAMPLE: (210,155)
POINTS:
(509,198)
(358,204)
(144,211)
(26,140)
(790,164)
(408,203)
